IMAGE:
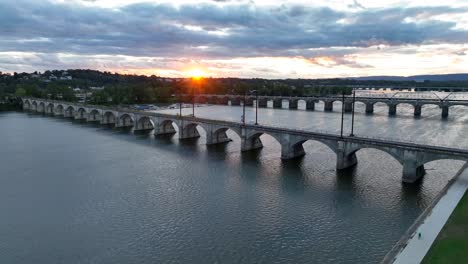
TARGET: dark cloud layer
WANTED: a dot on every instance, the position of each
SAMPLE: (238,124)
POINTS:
(215,31)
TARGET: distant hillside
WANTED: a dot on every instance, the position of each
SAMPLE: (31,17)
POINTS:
(417,78)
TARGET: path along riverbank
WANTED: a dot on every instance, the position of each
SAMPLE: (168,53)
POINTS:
(413,247)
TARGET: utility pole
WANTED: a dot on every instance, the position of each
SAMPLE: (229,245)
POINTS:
(342,114)
(256,107)
(352,118)
(243,109)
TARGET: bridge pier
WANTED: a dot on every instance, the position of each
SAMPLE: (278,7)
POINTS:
(392,109)
(50,110)
(94,117)
(369,108)
(277,103)
(348,107)
(344,158)
(328,106)
(235,101)
(262,102)
(188,131)
(107,119)
(164,128)
(445,111)
(411,171)
(310,105)
(417,110)
(250,143)
(68,114)
(293,104)
(291,151)
(218,137)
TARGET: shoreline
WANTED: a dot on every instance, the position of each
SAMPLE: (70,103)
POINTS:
(396,251)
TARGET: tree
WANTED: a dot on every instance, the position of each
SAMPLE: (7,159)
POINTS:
(20,92)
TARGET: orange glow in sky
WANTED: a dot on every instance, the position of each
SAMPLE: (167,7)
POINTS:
(196,74)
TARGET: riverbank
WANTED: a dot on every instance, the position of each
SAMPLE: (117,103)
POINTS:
(451,246)
(413,248)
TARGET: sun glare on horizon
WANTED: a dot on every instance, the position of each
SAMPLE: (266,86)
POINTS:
(196,73)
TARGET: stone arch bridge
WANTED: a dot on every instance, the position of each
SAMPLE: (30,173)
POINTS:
(310,102)
(411,156)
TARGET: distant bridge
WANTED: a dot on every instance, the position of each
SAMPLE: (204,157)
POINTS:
(391,102)
(411,156)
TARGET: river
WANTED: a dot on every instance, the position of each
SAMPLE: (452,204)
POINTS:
(75,192)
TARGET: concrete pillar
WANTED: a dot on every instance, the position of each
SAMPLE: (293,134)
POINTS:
(142,124)
(411,171)
(278,103)
(49,110)
(164,129)
(310,105)
(124,122)
(291,152)
(216,137)
(445,111)
(262,102)
(344,159)
(235,101)
(348,107)
(328,106)
(188,131)
(293,103)
(58,113)
(107,119)
(417,110)
(94,116)
(369,108)
(250,143)
(392,109)
(80,115)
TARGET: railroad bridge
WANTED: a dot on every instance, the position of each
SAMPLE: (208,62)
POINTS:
(411,156)
(310,102)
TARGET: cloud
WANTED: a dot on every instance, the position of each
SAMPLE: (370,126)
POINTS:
(215,30)
(231,30)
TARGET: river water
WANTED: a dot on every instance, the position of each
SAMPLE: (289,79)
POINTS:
(74,192)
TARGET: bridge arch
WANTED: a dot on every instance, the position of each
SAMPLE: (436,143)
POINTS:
(144,123)
(69,111)
(94,115)
(126,120)
(59,110)
(81,113)
(50,108)
(431,158)
(41,107)
(252,140)
(190,130)
(26,104)
(34,106)
(395,154)
(108,117)
(166,126)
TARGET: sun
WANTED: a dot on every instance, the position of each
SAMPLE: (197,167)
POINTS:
(196,74)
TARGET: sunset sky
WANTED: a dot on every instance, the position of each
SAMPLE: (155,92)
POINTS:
(267,39)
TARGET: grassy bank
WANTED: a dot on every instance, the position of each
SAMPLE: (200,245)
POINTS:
(451,246)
